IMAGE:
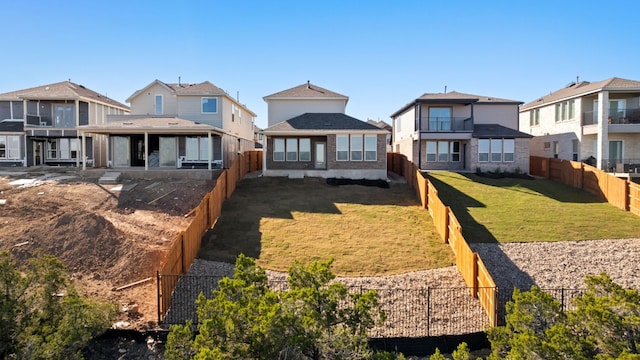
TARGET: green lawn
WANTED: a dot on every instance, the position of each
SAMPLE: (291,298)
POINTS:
(366,230)
(521,210)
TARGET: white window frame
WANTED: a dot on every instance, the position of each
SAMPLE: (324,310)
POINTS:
(279,149)
(431,151)
(454,155)
(304,149)
(202,99)
(291,154)
(356,144)
(508,150)
(58,122)
(371,149)
(534,117)
(342,148)
(155,104)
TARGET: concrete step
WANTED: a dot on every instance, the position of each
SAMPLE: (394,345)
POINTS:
(110,177)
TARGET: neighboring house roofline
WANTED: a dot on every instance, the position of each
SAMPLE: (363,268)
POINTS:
(154,124)
(307,91)
(204,89)
(455,97)
(319,132)
(323,122)
(580,89)
(60,91)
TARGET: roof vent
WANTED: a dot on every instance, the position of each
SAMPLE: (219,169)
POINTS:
(173,123)
(308,85)
(127,123)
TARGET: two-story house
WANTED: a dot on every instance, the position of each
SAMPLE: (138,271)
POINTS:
(461,132)
(598,123)
(309,134)
(178,126)
(39,126)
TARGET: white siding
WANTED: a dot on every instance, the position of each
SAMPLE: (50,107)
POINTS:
(405,122)
(282,110)
(144,103)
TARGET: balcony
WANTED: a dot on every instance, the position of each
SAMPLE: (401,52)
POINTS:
(446,124)
(616,116)
(629,166)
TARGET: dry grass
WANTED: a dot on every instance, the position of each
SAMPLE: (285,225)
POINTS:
(366,230)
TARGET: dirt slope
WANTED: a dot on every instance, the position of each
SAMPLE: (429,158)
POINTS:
(106,237)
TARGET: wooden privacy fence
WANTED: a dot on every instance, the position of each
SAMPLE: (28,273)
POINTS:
(620,193)
(186,245)
(475,274)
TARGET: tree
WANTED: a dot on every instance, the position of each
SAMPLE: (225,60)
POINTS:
(42,315)
(603,324)
(315,319)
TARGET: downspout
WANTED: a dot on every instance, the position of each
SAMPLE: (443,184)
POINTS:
(419,135)
(77,113)
(209,150)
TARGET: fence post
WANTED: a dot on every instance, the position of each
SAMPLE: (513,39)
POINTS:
(159,295)
(428,309)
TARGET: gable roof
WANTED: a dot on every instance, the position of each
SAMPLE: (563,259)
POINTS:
(583,88)
(205,88)
(322,123)
(306,91)
(64,90)
(454,97)
(497,131)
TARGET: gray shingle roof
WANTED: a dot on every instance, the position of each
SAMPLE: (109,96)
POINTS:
(203,88)
(454,97)
(497,131)
(322,122)
(582,88)
(11,126)
(307,90)
(64,90)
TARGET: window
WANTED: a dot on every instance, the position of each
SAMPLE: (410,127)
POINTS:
(398,125)
(509,151)
(371,147)
(432,147)
(278,149)
(455,151)
(443,151)
(342,147)
(556,149)
(305,149)
(483,150)
(10,147)
(575,144)
(63,149)
(210,105)
(292,149)
(356,147)
(565,110)
(197,148)
(158,105)
(440,119)
(496,150)
(64,116)
(534,117)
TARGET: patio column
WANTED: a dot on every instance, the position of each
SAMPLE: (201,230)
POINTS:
(419,129)
(602,143)
(209,150)
(146,151)
(77,116)
(83,146)
(109,163)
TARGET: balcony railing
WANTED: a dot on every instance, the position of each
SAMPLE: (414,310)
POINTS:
(446,124)
(616,116)
(621,165)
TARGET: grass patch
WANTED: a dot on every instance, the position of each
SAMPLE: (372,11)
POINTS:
(520,210)
(366,230)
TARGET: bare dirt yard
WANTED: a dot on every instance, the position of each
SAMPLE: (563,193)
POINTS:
(109,236)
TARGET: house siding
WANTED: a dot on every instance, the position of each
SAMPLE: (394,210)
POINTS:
(282,110)
(144,103)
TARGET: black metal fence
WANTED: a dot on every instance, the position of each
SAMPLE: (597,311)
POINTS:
(410,313)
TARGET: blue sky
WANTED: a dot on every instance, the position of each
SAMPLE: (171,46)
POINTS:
(382,54)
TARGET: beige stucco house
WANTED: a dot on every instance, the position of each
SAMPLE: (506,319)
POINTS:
(461,132)
(597,122)
(178,126)
(40,125)
(309,134)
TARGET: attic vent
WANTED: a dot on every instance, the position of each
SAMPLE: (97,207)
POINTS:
(173,123)
(127,123)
